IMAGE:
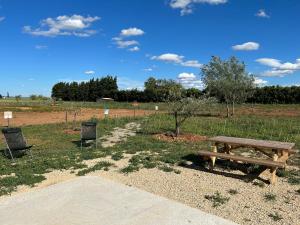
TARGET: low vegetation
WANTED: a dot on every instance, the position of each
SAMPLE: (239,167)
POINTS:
(270,197)
(217,199)
(275,216)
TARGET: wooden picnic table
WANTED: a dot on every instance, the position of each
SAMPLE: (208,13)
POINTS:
(276,152)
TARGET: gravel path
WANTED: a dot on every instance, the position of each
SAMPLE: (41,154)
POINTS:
(120,134)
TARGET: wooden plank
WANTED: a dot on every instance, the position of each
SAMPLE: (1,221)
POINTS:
(253,143)
(262,162)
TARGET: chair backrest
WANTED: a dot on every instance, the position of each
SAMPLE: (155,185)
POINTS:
(89,131)
(14,138)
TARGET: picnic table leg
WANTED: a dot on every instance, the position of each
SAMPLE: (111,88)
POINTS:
(214,148)
(273,171)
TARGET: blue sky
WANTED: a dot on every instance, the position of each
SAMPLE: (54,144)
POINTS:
(44,42)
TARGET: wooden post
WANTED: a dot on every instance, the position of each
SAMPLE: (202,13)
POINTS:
(273,171)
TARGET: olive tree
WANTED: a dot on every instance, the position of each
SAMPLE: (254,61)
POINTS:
(228,81)
(184,108)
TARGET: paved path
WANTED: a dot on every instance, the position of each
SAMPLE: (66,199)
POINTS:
(98,201)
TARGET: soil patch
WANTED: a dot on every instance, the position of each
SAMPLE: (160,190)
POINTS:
(35,118)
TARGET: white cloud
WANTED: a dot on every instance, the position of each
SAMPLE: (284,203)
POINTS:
(192,63)
(248,46)
(262,13)
(169,57)
(134,49)
(41,47)
(75,25)
(89,72)
(278,68)
(177,59)
(148,69)
(2,18)
(190,80)
(259,81)
(133,31)
(186,6)
(122,42)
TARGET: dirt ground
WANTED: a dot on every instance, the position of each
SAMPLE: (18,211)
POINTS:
(34,118)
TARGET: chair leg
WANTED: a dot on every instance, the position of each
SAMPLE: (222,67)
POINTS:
(11,155)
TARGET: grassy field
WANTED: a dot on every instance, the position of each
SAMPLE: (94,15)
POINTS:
(57,150)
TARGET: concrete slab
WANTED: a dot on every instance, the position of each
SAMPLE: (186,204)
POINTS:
(98,201)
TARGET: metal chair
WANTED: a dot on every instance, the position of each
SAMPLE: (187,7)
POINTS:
(88,132)
(15,142)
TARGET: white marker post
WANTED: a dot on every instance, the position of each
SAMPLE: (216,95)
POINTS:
(106,112)
(7,116)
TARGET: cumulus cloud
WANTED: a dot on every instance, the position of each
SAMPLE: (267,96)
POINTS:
(122,42)
(186,6)
(248,46)
(278,68)
(2,18)
(134,49)
(89,72)
(177,59)
(169,57)
(75,25)
(133,31)
(190,80)
(259,81)
(262,13)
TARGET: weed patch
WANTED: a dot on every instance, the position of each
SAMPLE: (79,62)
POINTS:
(98,166)
(217,199)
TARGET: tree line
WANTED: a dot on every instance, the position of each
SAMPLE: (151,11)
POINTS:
(226,80)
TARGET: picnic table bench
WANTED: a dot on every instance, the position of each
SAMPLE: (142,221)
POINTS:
(277,152)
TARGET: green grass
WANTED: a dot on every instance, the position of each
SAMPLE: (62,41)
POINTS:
(53,150)
(217,199)
(103,165)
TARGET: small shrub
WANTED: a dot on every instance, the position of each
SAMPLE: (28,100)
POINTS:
(275,216)
(117,156)
(270,197)
(130,169)
(298,191)
(167,169)
(217,199)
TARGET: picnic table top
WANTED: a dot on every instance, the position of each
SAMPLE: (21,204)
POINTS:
(253,142)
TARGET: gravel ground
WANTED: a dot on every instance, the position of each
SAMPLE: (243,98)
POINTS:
(191,186)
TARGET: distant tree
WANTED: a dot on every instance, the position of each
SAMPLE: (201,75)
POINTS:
(158,90)
(33,97)
(18,98)
(228,81)
(193,92)
(1,96)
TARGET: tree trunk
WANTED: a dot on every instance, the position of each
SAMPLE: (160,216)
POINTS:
(227,107)
(232,110)
(177,130)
